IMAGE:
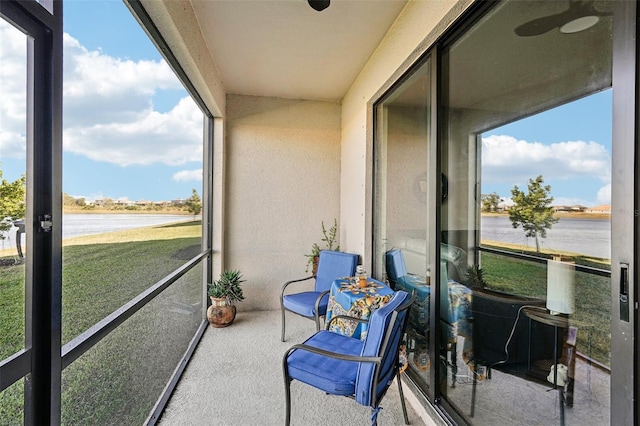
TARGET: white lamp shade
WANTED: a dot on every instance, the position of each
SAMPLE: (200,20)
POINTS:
(561,285)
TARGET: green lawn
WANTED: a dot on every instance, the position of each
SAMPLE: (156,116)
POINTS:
(592,315)
(121,377)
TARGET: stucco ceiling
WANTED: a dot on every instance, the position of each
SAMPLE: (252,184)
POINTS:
(286,49)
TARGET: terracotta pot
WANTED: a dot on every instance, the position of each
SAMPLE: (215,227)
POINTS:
(221,313)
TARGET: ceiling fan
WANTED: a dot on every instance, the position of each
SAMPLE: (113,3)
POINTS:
(580,16)
(319,5)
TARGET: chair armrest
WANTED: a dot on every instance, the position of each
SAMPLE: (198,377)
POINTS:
(347,317)
(319,299)
(294,281)
(330,354)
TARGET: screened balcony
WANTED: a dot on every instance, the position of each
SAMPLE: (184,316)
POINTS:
(302,120)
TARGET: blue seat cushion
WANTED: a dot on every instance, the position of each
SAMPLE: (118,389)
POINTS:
(331,375)
(304,303)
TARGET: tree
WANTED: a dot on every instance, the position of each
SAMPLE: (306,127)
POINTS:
(490,202)
(193,203)
(533,210)
(68,200)
(12,203)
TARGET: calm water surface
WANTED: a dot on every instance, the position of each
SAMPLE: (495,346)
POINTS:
(590,237)
(586,236)
(77,225)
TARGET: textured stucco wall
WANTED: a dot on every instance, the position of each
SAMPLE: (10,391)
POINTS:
(282,181)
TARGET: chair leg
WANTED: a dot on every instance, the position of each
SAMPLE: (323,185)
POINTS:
(374,416)
(287,396)
(404,407)
(287,388)
(317,318)
(454,363)
(473,389)
(282,333)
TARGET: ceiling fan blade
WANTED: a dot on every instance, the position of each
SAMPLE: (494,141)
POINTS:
(577,9)
(540,25)
(319,5)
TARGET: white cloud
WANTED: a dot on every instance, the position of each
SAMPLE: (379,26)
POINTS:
(188,175)
(173,138)
(13,54)
(109,114)
(520,160)
(604,194)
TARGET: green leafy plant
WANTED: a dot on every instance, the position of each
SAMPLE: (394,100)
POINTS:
(228,286)
(329,238)
(475,277)
(12,203)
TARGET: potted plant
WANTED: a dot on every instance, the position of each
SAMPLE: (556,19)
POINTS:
(329,238)
(475,277)
(223,293)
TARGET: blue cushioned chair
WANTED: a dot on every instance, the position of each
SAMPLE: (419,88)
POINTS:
(419,316)
(313,304)
(396,267)
(342,365)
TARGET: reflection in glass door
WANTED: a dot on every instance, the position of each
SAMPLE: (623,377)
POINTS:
(402,246)
(526,147)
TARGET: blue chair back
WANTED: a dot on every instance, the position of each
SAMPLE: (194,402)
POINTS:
(333,265)
(386,328)
(395,265)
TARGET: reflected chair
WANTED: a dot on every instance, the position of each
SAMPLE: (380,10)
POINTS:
(396,268)
(313,304)
(345,366)
(419,316)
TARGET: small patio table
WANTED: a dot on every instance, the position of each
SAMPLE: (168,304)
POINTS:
(347,298)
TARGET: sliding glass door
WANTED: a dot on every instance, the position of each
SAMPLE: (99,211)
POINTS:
(403,126)
(532,315)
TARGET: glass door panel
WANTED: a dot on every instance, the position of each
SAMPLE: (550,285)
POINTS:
(13,169)
(401,247)
(526,148)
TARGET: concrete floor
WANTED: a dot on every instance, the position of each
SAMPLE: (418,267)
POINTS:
(235,378)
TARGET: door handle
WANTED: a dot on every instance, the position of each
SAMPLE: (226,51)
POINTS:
(624,292)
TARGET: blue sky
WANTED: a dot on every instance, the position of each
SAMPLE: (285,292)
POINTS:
(130,129)
(570,146)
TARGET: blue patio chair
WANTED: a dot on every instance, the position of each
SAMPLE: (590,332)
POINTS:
(345,366)
(395,266)
(313,304)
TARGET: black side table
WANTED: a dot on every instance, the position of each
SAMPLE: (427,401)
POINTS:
(557,322)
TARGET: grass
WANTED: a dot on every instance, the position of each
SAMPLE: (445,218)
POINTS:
(592,315)
(120,378)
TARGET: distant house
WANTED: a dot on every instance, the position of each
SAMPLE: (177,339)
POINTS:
(576,208)
(604,208)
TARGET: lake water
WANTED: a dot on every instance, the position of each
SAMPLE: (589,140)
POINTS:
(77,225)
(585,236)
